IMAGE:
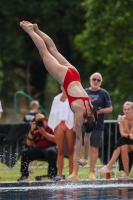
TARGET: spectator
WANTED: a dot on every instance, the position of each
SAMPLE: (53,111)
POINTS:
(1,110)
(124,144)
(34,107)
(28,117)
(45,147)
(61,120)
(102,102)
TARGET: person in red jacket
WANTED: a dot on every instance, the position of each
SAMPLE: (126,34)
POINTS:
(43,140)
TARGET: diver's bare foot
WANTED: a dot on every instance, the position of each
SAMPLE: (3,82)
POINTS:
(27,26)
(35,26)
(26,22)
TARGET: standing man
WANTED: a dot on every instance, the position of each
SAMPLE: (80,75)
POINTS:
(101,100)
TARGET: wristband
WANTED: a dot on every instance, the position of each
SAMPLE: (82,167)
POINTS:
(32,133)
(101,112)
(30,139)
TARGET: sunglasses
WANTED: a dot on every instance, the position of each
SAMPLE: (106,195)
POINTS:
(96,79)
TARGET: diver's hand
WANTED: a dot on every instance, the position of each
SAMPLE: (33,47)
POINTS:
(131,136)
(82,162)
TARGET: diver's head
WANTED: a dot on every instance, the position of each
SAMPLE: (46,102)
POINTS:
(90,122)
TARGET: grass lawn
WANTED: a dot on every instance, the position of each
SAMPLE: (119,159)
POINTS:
(7,174)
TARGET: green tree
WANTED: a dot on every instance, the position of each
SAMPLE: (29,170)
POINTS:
(21,63)
(106,44)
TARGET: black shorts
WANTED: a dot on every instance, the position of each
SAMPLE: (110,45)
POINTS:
(96,138)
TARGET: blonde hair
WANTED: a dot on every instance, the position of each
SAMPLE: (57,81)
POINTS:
(34,104)
(128,103)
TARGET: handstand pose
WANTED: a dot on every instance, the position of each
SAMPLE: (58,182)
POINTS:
(68,76)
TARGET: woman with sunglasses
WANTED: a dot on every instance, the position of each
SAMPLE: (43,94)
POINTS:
(68,76)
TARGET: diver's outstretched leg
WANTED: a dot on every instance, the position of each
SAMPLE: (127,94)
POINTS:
(52,48)
(57,70)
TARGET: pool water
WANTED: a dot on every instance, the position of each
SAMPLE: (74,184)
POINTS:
(68,191)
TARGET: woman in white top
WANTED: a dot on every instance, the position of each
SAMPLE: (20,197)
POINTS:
(61,120)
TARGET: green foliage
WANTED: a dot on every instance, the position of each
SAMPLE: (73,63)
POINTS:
(22,66)
(100,31)
(106,44)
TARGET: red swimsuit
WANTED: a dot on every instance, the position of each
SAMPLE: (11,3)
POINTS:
(73,75)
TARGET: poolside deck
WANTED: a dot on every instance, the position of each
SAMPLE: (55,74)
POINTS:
(72,183)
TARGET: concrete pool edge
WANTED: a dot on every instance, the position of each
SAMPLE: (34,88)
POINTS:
(64,183)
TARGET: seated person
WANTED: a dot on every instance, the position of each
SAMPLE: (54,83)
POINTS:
(34,107)
(124,144)
(44,147)
(28,117)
